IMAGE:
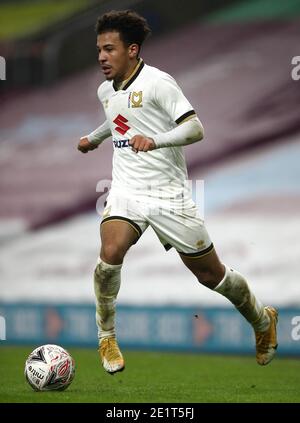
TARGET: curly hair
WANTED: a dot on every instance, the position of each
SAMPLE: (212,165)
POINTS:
(132,27)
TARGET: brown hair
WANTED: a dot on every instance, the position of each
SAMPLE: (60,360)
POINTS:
(132,27)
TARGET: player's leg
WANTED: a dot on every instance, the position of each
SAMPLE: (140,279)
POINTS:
(117,236)
(205,265)
(212,273)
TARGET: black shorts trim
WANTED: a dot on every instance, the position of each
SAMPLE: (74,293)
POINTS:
(184,116)
(129,221)
(199,253)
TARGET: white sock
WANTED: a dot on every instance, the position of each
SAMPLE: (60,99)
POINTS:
(107,280)
(234,287)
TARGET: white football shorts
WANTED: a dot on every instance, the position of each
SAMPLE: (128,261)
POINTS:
(177,226)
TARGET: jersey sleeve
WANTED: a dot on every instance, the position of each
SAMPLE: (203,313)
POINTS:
(170,98)
(101,91)
(99,134)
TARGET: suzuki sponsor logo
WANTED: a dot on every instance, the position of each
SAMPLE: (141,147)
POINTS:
(121,127)
(121,143)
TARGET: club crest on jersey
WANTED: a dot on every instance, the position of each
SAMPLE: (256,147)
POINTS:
(135,99)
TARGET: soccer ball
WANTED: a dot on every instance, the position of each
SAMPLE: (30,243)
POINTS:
(49,367)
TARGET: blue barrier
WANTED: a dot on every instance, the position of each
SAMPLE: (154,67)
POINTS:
(175,328)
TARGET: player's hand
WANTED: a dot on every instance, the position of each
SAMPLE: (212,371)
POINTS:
(141,143)
(84,145)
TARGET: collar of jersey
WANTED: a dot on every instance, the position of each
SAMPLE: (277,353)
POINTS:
(125,84)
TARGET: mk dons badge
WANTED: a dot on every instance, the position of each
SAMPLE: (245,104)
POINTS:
(136,99)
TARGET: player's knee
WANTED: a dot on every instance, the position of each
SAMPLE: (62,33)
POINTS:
(208,275)
(112,253)
(207,279)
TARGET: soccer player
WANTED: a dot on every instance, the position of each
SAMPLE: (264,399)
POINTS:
(150,120)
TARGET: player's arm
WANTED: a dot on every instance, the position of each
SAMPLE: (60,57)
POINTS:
(94,139)
(187,133)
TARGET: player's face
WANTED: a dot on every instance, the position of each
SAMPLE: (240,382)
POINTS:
(116,59)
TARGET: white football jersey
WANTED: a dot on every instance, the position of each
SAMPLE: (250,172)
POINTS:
(148,103)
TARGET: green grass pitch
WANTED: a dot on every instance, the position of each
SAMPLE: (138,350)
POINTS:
(158,377)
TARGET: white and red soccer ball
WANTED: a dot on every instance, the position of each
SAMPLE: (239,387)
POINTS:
(49,367)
